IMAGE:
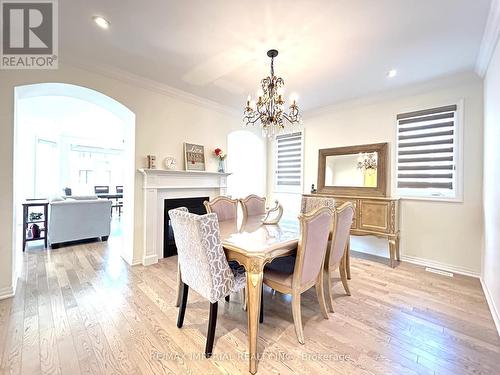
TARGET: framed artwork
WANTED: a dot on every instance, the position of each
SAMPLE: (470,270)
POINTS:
(194,157)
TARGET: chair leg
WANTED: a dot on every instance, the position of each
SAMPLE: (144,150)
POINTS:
(244,299)
(261,317)
(178,292)
(348,259)
(320,293)
(227,298)
(182,308)
(297,317)
(343,277)
(212,322)
(328,287)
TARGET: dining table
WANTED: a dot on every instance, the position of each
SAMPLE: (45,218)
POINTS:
(253,244)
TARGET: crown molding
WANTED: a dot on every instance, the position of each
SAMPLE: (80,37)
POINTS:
(490,39)
(151,85)
(410,89)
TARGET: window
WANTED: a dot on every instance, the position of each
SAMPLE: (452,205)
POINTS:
(84,177)
(89,166)
(427,153)
(46,168)
(288,162)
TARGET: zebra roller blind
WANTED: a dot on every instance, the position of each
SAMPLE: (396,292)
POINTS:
(288,161)
(426,152)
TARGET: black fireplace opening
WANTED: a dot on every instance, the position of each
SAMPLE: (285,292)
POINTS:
(194,205)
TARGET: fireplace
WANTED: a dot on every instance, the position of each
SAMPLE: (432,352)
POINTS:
(194,205)
(159,185)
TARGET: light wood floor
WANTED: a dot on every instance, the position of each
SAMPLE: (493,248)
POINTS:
(81,309)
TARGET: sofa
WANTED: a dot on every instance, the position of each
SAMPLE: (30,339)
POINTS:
(73,219)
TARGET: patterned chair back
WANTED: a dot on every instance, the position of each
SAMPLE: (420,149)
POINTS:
(202,260)
(309,204)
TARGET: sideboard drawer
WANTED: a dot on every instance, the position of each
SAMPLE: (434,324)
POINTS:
(340,202)
(375,215)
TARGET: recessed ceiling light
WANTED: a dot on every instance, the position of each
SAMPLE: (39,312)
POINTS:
(101,22)
(392,73)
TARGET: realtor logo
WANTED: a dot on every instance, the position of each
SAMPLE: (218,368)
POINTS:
(29,34)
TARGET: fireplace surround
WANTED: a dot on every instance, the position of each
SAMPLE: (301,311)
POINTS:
(160,185)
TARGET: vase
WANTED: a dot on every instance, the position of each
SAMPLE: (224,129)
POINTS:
(221,166)
(35,231)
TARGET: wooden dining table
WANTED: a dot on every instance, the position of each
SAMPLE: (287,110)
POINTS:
(254,244)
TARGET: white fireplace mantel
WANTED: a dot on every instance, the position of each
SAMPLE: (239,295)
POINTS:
(161,184)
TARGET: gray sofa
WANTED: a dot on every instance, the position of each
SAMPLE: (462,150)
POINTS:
(77,219)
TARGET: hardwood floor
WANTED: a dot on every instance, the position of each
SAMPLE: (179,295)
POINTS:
(82,310)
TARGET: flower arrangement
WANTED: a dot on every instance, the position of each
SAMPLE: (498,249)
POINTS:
(221,155)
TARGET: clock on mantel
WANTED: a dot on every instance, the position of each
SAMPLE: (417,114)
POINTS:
(170,163)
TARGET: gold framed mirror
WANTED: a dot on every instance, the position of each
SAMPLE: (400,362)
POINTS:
(353,170)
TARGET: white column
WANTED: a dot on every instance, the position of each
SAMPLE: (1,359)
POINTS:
(150,255)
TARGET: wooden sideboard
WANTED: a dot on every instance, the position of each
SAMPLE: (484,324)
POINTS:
(374,216)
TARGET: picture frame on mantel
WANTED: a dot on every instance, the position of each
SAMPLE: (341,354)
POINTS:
(194,157)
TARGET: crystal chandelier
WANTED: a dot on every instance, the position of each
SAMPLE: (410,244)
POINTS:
(269,108)
(367,161)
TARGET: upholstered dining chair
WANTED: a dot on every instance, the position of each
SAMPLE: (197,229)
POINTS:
(253,205)
(101,189)
(203,264)
(225,208)
(309,203)
(307,271)
(337,251)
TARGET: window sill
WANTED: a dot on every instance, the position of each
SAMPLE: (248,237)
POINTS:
(287,192)
(432,199)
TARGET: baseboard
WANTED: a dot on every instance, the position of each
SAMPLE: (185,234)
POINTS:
(6,292)
(136,262)
(495,313)
(149,260)
(130,260)
(442,266)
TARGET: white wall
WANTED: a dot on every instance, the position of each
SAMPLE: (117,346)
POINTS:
(448,234)
(491,260)
(163,121)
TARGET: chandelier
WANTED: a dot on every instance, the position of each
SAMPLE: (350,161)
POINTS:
(269,109)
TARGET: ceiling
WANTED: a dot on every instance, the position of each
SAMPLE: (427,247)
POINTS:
(329,50)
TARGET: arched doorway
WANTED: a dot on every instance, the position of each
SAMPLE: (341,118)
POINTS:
(60,97)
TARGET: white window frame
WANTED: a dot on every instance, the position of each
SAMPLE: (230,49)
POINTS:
(458,182)
(297,189)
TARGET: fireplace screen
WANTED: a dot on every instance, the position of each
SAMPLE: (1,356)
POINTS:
(194,205)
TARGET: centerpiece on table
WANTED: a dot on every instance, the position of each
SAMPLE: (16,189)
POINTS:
(220,155)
